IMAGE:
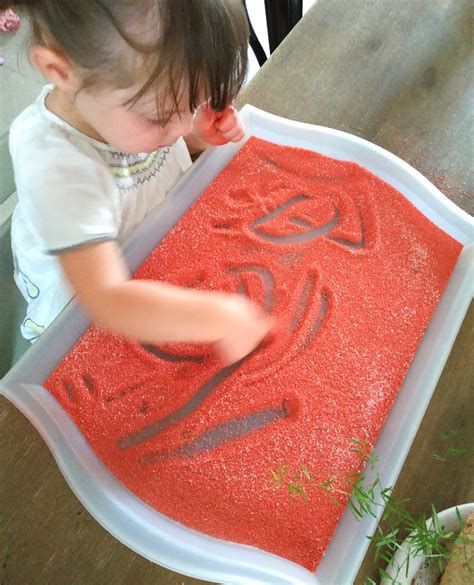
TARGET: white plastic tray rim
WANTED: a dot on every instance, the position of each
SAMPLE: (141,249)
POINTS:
(166,542)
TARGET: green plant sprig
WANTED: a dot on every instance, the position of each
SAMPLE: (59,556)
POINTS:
(368,498)
(428,540)
(451,450)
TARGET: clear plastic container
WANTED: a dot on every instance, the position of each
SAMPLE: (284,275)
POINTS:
(167,542)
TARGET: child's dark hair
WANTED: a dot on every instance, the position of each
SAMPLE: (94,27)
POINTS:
(198,46)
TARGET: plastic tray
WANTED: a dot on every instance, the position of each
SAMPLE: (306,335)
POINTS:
(169,543)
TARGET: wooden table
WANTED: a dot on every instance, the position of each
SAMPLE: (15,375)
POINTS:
(396,73)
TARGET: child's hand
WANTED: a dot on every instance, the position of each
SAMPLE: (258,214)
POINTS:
(217,128)
(159,312)
(247,327)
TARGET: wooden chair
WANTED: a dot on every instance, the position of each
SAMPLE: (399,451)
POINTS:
(282,15)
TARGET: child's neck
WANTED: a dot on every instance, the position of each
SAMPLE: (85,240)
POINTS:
(60,104)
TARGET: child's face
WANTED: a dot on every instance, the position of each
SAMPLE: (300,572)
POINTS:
(133,128)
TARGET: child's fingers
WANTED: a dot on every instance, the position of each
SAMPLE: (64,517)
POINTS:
(234,135)
(218,128)
(231,127)
(227,120)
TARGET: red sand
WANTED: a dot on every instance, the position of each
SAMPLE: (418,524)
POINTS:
(352,304)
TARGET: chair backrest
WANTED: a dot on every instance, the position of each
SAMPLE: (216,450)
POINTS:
(12,307)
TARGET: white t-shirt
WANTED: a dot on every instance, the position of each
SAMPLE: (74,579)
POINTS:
(72,191)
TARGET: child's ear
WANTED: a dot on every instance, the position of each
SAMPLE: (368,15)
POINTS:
(55,67)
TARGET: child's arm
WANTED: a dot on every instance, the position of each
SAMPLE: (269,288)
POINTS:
(214,129)
(154,312)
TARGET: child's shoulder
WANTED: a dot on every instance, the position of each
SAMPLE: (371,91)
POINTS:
(29,123)
(35,134)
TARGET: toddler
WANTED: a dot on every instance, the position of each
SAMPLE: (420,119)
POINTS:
(135,88)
